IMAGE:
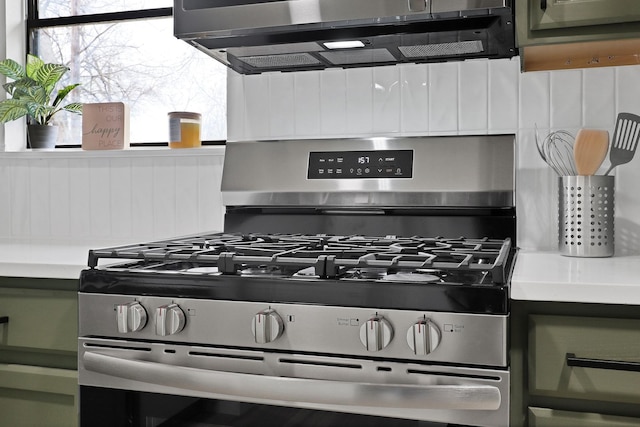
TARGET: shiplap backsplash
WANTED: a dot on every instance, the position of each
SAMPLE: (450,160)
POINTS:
(119,197)
(471,97)
(132,197)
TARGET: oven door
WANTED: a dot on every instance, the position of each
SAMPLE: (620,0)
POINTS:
(157,384)
(103,407)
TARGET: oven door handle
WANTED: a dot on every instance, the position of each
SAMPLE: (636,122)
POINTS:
(303,390)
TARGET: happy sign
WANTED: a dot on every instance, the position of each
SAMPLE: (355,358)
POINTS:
(105,126)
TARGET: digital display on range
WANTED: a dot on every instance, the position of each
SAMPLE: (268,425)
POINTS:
(360,164)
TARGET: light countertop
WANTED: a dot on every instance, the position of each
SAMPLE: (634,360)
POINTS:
(44,260)
(548,276)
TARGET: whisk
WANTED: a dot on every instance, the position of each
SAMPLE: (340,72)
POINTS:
(557,151)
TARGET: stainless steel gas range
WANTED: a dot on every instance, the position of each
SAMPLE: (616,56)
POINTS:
(357,282)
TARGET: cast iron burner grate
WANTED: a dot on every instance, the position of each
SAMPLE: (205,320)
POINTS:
(329,256)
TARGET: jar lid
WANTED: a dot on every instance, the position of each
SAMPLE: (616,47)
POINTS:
(185,115)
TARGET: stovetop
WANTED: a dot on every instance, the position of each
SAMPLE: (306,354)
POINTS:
(417,273)
(298,256)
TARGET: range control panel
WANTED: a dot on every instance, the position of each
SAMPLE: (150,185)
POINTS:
(478,339)
(360,164)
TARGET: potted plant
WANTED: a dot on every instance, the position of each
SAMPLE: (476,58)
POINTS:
(32,95)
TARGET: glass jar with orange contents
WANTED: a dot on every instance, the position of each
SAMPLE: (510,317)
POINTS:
(184,129)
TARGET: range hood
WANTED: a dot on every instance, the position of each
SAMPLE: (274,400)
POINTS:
(256,36)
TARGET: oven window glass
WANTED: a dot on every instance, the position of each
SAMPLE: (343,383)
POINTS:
(101,407)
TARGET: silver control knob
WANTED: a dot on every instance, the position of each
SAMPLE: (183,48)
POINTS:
(423,337)
(131,317)
(376,333)
(170,319)
(267,326)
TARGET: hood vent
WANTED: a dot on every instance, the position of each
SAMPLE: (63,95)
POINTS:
(255,36)
(442,49)
(277,62)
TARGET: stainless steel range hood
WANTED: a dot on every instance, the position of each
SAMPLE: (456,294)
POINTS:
(255,36)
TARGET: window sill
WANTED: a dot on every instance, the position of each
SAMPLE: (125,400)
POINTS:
(63,153)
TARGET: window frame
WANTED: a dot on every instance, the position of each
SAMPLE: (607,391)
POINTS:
(34,22)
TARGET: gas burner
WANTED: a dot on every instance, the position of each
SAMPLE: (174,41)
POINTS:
(262,270)
(382,274)
(308,272)
(364,274)
(202,270)
(416,276)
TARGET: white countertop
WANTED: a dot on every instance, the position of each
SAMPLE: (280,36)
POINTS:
(45,260)
(548,276)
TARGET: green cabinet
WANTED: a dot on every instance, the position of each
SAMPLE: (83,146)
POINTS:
(558,345)
(563,21)
(575,364)
(38,352)
(37,396)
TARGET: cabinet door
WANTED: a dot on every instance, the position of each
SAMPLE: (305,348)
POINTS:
(39,319)
(578,13)
(600,347)
(584,21)
(544,417)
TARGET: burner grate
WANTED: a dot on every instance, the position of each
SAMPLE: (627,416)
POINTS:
(329,256)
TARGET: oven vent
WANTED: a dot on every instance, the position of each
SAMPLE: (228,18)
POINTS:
(442,49)
(116,347)
(226,356)
(321,363)
(456,375)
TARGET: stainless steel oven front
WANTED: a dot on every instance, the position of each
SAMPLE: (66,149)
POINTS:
(357,282)
(138,379)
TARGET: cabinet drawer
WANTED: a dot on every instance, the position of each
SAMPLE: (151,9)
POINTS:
(607,343)
(35,396)
(544,417)
(39,319)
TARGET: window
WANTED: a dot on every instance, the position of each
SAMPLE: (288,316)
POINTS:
(125,51)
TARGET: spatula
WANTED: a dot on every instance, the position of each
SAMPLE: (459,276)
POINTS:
(625,140)
(590,149)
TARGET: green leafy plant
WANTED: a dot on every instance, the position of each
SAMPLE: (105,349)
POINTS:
(32,91)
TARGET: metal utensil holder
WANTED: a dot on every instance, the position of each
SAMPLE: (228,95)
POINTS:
(586,215)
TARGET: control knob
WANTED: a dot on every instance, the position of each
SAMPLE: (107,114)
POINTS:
(376,333)
(131,317)
(267,326)
(170,319)
(423,337)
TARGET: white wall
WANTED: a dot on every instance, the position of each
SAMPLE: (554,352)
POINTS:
(473,97)
(109,197)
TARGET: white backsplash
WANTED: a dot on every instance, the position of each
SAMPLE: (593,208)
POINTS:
(471,97)
(117,197)
(129,196)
